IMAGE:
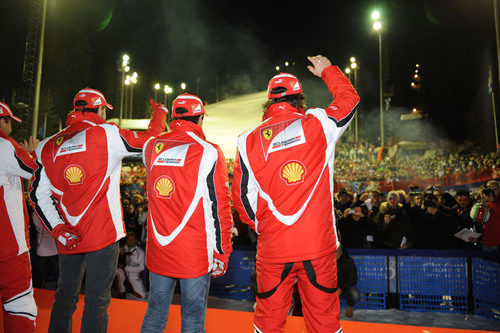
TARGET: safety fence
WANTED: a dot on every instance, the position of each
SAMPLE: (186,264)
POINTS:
(450,281)
(447,181)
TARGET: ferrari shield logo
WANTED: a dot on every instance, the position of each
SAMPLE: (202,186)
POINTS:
(268,134)
(59,140)
(158,147)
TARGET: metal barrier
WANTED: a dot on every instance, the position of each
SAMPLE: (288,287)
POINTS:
(452,281)
(486,288)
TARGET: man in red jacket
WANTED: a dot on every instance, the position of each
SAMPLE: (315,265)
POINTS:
(19,308)
(189,217)
(283,188)
(76,193)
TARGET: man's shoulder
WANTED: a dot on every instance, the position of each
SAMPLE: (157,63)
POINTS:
(8,143)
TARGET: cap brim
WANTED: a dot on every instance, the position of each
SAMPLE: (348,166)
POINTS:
(109,106)
(16,119)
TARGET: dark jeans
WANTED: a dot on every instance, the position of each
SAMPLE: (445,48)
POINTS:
(100,267)
(43,267)
(351,295)
(194,296)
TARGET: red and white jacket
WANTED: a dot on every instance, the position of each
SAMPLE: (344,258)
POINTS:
(189,215)
(77,179)
(14,164)
(283,175)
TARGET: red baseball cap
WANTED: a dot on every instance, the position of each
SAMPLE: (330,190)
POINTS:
(92,98)
(5,111)
(187,105)
(284,80)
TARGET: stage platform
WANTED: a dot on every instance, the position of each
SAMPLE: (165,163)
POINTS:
(127,315)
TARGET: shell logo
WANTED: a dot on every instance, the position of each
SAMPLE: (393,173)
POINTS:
(59,140)
(164,187)
(158,147)
(293,172)
(74,174)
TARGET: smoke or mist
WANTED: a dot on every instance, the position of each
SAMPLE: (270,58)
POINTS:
(194,47)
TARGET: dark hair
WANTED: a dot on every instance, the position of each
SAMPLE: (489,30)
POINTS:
(362,205)
(463,192)
(5,118)
(487,191)
(193,119)
(297,100)
(448,200)
(84,109)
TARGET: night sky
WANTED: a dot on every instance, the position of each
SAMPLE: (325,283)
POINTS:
(241,42)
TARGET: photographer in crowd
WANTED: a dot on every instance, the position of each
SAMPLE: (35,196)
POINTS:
(356,228)
(393,228)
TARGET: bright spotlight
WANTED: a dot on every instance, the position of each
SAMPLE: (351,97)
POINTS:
(375,15)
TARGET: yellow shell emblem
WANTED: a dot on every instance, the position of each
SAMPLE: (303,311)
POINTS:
(159,147)
(164,187)
(59,140)
(293,172)
(268,133)
(74,174)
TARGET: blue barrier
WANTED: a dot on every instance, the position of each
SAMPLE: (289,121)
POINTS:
(432,284)
(427,280)
(486,288)
(236,282)
(372,281)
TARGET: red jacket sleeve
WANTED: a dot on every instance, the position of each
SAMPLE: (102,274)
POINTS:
(223,205)
(345,97)
(135,140)
(23,162)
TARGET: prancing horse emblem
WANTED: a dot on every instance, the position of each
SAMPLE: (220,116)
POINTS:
(268,133)
(158,147)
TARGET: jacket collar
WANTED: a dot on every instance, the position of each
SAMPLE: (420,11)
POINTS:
(77,116)
(186,126)
(279,108)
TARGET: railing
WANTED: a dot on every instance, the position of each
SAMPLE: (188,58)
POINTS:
(451,281)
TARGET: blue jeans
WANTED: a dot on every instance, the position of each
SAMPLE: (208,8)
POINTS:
(100,266)
(194,295)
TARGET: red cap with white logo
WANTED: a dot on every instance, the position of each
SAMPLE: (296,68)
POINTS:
(5,111)
(187,105)
(284,80)
(90,99)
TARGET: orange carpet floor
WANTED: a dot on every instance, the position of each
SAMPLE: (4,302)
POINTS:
(125,316)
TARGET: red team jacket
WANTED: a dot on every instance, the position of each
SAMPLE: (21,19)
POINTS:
(77,179)
(189,213)
(14,164)
(283,175)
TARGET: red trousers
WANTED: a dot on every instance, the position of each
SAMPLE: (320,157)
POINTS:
(317,282)
(19,308)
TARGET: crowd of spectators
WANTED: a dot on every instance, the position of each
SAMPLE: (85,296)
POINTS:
(427,219)
(360,163)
